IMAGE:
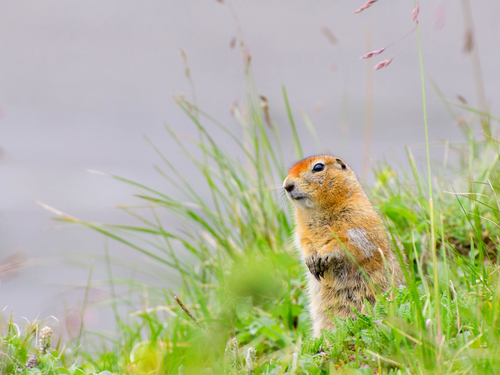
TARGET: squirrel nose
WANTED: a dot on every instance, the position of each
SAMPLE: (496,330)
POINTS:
(289,187)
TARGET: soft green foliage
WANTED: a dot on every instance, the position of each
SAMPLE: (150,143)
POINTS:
(28,351)
(244,285)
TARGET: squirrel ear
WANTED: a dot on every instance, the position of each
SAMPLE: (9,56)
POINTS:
(339,163)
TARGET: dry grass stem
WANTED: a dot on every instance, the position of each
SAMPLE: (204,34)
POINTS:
(56,212)
(187,311)
(329,35)
(265,109)
(468,40)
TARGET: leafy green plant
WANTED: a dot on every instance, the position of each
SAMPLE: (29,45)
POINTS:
(29,351)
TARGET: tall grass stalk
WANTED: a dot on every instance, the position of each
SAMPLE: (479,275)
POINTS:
(431,200)
(367,138)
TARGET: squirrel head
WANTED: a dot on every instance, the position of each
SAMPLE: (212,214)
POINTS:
(320,182)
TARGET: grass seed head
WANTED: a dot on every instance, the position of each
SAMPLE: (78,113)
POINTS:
(250,360)
(468,40)
(32,361)
(45,339)
(366,5)
(382,64)
(414,14)
(247,58)
(461,99)
(428,323)
(373,53)
(231,354)
(329,35)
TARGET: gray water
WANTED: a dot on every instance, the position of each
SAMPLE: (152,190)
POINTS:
(81,82)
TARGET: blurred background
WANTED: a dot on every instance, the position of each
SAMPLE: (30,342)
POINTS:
(82,82)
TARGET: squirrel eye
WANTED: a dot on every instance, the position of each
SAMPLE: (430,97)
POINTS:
(318,167)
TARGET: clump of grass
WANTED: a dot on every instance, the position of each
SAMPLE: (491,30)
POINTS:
(240,285)
(243,283)
(242,277)
(28,351)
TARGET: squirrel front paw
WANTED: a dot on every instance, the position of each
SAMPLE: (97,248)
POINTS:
(318,264)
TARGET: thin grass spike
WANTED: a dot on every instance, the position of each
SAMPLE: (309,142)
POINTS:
(365,6)
(187,311)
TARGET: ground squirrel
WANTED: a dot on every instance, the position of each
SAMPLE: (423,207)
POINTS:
(331,206)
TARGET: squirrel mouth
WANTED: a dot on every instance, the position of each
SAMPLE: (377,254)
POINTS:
(297,197)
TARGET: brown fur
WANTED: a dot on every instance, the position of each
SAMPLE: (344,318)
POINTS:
(328,203)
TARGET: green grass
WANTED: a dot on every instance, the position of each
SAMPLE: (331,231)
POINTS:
(243,286)
(27,351)
(231,263)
